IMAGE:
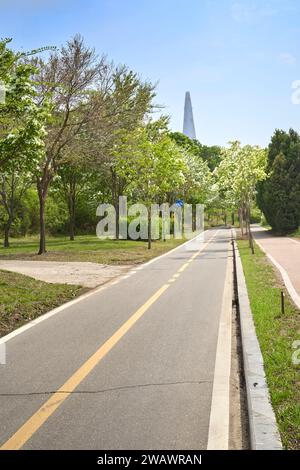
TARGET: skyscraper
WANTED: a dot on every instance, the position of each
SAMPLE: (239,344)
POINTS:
(188,121)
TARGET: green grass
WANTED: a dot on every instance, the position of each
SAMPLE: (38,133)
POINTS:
(296,233)
(276,334)
(87,248)
(24,298)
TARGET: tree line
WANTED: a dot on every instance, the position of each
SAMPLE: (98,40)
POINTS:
(77,130)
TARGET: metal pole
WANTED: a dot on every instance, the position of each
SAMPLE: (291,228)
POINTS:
(282,303)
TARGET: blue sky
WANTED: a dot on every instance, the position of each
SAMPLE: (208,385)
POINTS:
(238,58)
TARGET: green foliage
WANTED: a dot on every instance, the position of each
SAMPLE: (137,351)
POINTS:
(240,170)
(152,163)
(279,195)
(211,155)
(22,121)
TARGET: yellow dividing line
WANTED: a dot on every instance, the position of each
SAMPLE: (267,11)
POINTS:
(48,408)
(32,425)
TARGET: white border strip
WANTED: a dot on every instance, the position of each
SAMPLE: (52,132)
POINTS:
(218,433)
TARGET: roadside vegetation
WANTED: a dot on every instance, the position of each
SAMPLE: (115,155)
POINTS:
(276,333)
(87,248)
(23,299)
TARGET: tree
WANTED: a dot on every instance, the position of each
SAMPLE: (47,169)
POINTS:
(22,129)
(76,178)
(74,80)
(126,106)
(240,170)
(212,155)
(13,187)
(279,195)
(153,165)
(198,179)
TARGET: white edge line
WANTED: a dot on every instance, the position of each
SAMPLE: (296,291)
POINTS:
(65,306)
(295,241)
(286,279)
(218,431)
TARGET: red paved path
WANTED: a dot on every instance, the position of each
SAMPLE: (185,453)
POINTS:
(286,251)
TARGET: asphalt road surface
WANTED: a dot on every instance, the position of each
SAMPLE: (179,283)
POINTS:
(131,366)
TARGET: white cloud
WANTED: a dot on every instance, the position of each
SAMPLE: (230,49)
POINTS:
(287,58)
(248,12)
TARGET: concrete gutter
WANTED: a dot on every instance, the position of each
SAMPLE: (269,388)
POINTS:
(264,434)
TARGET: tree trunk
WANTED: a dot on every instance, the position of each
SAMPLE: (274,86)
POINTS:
(72,207)
(6,235)
(232,219)
(245,217)
(117,208)
(241,221)
(42,199)
(115,199)
(149,229)
(72,228)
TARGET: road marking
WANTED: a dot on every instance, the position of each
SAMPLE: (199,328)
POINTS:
(25,432)
(48,408)
(218,433)
(183,267)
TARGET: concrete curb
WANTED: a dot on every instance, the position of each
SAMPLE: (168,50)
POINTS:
(264,434)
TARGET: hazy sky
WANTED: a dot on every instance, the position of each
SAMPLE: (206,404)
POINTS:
(238,58)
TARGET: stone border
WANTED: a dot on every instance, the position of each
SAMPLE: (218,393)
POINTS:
(264,434)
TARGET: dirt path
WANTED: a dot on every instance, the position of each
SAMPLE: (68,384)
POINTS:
(77,273)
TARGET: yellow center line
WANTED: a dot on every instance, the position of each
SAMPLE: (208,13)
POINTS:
(25,432)
(183,268)
(48,408)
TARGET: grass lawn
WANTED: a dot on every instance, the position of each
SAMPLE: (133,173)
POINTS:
(87,248)
(276,334)
(24,298)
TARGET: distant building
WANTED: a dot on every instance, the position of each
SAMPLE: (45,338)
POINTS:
(188,121)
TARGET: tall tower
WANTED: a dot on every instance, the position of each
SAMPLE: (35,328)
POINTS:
(188,121)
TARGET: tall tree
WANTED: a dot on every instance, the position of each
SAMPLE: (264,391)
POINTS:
(153,166)
(126,106)
(75,79)
(240,170)
(22,129)
(279,194)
